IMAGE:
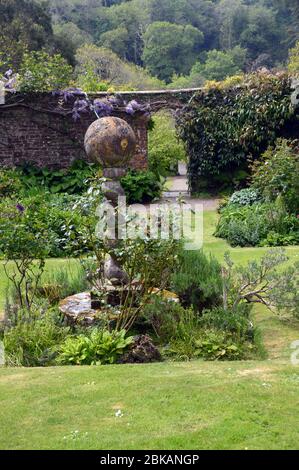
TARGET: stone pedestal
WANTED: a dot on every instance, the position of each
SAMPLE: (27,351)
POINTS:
(111,142)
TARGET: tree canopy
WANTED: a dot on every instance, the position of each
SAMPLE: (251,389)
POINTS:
(181,42)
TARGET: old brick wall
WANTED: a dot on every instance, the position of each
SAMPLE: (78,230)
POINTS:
(35,130)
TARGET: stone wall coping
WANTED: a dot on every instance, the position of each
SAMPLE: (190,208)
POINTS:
(150,92)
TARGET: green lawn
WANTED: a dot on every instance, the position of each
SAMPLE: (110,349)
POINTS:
(199,405)
(165,406)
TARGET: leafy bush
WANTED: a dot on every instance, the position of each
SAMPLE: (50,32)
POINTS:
(266,282)
(293,65)
(180,349)
(197,281)
(42,72)
(169,319)
(277,239)
(10,184)
(32,343)
(252,225)
(24,245)
(215,345)
(245,197)
(235,321)
(218,334)
(73,180)
(141,187)
(99,347)
(59,215)
(91,82)
(277,174)
(211,345)
(165,150)
(224,124)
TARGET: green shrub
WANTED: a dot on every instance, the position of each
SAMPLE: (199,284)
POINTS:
(211,345)
(236,321)
(59,215)
(252,225)
(24,245)
(42,72)
(198,281)
(215,345)
(141,187)
(277,239)
(165,149)
(91,82)
(218,334)
(180,349)
(245,197)
(224,124)
(99,347)
(73,180)
(243,226)
(169,319)
(277,174)
(10,184)
(32,343)
(265,282)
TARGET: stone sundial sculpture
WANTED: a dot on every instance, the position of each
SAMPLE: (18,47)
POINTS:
(111,142)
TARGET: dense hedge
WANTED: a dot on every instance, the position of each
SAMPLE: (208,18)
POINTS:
(229,123)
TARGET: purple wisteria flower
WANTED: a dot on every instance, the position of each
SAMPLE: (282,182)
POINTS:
(102,107)
(133,106)
(8,74)
(20,208)
(130,110)
(9,81)
(80,106)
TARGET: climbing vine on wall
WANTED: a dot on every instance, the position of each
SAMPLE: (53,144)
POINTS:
(231,123)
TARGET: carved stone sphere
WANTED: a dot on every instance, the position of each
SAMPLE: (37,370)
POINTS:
(110,141)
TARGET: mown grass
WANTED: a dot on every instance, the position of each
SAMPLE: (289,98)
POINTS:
(193,405)
(199,405)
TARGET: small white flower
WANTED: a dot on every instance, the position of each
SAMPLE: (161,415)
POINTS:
(118,414)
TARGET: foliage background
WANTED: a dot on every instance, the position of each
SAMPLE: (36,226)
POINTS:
(229,124)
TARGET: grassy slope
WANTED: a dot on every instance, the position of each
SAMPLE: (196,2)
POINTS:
(197,405)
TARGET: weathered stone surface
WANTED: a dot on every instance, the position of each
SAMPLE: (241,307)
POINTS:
(110,141)
(114,272)
(112,191)
(142,351)
(77,309)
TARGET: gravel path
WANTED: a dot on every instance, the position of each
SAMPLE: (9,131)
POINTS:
(178,186)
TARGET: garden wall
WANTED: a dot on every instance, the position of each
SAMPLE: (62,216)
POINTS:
(33,130)
(36,129)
